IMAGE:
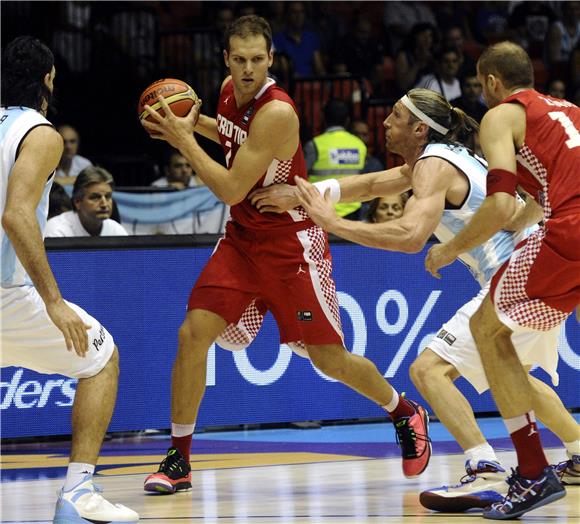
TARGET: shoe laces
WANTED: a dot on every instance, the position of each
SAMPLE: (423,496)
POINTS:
(170,462)
(407,438)
(561,467)
(520,489)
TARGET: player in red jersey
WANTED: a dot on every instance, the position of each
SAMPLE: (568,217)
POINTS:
(279,262)
(532,141)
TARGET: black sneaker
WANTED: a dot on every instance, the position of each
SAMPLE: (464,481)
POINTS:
(174,474)
(526,494)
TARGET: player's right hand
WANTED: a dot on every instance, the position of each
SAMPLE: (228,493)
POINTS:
(277,198)
(71,325)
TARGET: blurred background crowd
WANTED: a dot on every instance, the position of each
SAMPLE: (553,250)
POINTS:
(344,63)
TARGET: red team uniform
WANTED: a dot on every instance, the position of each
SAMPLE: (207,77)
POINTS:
(539,286)
(276,262)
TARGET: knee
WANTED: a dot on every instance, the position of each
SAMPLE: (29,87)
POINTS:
(419,372)
(192,340)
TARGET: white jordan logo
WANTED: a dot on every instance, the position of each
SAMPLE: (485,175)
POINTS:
(300,270)
(532,431)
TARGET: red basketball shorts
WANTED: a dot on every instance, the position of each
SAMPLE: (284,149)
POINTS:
(539,286)
(288,273)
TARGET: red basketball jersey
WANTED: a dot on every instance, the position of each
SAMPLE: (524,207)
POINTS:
(233,125)
(549,160)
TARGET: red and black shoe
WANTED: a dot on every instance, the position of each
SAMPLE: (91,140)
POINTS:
(174,474)
(413,437)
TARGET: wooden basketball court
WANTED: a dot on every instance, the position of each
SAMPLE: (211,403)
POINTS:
(259,478)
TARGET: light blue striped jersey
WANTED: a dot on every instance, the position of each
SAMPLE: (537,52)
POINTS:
(483,261)
(15,124)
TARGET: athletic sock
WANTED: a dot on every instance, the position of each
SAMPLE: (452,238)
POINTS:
(526,438)
(399,407)
(480,452)
(76,472)
(181,435)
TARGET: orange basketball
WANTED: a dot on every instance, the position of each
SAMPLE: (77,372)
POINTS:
(179,96)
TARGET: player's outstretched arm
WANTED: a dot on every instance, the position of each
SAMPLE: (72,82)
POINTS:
(279,198)
(408,234)
(38,157)
(526,215)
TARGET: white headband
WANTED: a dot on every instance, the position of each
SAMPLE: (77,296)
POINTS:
(406,101)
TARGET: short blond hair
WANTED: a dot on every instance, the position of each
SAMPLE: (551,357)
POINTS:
(509,62)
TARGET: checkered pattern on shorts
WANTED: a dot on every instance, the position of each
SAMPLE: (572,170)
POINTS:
(324,269)
(513,299)
(540,173)
(239,336)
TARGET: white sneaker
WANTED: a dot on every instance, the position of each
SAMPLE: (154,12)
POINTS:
(84,504)
(479,488)
(569,471)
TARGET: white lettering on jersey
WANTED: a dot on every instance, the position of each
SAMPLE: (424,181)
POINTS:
(230,130)
(557,103)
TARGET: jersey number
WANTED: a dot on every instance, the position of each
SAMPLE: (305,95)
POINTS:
(229,153)
(573,133)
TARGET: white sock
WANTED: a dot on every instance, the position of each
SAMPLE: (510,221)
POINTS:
(482,452)
(76,472)
(516,423)
(390,407)
(182,430)
(573,448)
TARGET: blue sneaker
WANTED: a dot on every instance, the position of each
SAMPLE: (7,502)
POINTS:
(526,494)
(84,505)
(483,484)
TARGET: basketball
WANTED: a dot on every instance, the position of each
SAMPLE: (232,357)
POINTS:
(178,95)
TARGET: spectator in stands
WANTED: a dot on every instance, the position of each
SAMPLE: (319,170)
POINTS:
(178,173)
(360,54)
(444,80)
(336,153)
(58,201)
(361,129)
(491,22)
(208,51)
(298,43)
(400,19)
(564,34)
(470,99)
(71,163)
(530,22)
(454,39)
(415,58)
(93,205)
(556,88)
(384,209)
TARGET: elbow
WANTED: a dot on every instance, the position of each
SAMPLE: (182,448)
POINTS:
(9,220)
(232,200)
(413,246)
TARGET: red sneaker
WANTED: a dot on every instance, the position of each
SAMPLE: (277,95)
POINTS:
(413,437)
(174,474)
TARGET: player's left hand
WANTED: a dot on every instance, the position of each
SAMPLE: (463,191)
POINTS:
(319,208)
(440,255)
(171,128)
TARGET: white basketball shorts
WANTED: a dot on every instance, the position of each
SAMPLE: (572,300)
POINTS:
(454,344)
(31,340)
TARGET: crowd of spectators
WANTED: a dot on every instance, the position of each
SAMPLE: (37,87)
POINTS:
(116,48)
